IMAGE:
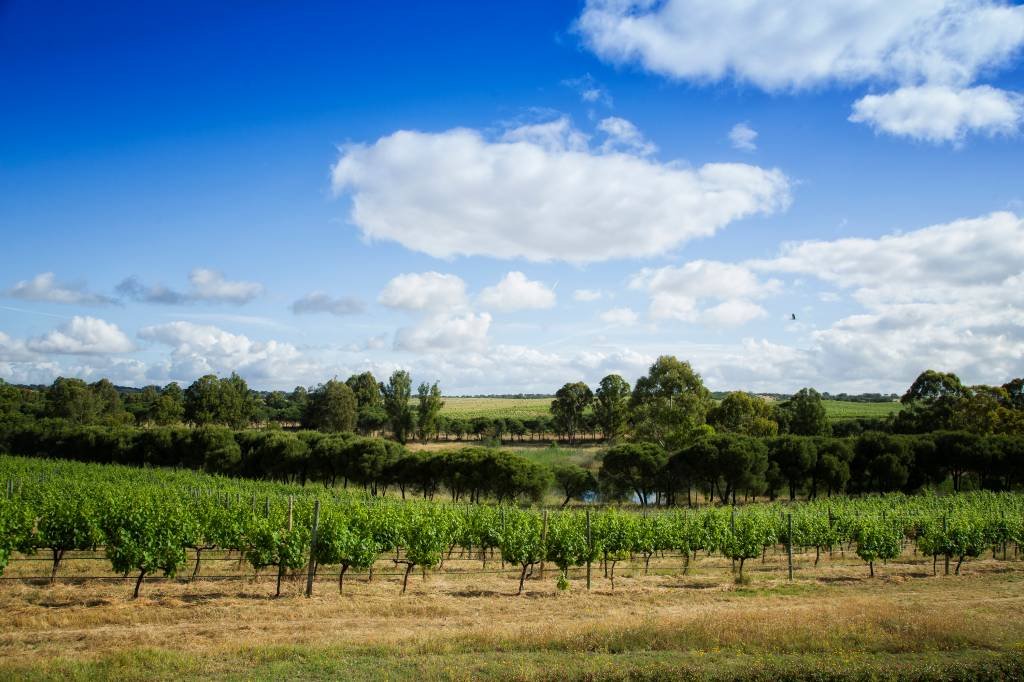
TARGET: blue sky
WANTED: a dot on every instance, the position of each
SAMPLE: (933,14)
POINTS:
(507,197)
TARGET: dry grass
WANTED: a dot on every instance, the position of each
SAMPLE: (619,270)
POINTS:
(832,610)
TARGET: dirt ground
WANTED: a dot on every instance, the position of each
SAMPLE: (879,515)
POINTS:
(89,628)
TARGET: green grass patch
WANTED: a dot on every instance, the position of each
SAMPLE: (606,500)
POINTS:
(309,663)
(839,410)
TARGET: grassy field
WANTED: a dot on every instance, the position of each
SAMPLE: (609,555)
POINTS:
(524,408)
(831,622)
(516,408)
(838,410)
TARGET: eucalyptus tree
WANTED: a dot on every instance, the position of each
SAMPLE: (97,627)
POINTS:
(669,404)
(611,406)
(567,409)
(396,394)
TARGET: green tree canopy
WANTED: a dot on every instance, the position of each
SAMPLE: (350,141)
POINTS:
(567,409)
(670,403)
(330,407)
(611,406)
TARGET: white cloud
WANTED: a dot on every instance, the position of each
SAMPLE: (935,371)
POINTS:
(205,349)
(948,296)
(586,295)
(320,302)
(623,136)
(552,136)
(743,137)
(679,292)
(789,45)
(539,193)
(206,285)
(424,291)
(623,317)
(83,335)
(14,350)
(516,292)
(942,114)
(732,313)
(934,262)
(589,90)
(445,333)
(210,285)
(45,287)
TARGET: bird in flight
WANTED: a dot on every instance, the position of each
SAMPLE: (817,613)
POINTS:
(792,316)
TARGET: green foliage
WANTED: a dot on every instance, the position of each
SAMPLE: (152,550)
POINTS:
(346,539)
(428,410)
(804,414)
(396,394)
(611,407)
(669,404)
(878,538)
(209,400)
(568,407)
(633,468)
(330,407)
(145,535)
(741,412)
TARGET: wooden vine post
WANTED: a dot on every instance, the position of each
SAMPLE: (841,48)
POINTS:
(544,542)
(312,549)
(590,547)
(789,546)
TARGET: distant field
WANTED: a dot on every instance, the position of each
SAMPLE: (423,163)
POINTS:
(839,410)
(524,408)
(518,408)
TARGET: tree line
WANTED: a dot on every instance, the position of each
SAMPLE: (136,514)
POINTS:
(725,467)
(669,406)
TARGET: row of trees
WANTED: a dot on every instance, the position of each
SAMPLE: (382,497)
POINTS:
(336,459)
(729,466)
(359,403)
(721,466)
(669,406)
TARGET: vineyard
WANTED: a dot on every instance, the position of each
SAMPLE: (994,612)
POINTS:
(143,523)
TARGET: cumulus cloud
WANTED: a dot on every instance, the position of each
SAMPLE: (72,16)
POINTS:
(206,285)
(45,287)
(946,296)
(320,302)
(14,350)
(83,335)
(681,293)
(586,295)
(541,193)
(933,262)
(621,317)
(516,292)
(198,349)
(743,137)
(791,45)
(445,333)
(941,114)
(424,291)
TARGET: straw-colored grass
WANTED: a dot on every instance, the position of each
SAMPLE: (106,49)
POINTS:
(465,625)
